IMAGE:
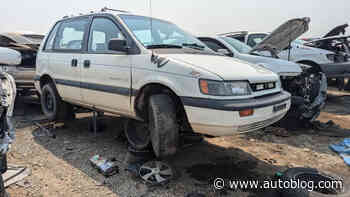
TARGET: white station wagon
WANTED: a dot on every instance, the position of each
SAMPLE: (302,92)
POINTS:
(164,79)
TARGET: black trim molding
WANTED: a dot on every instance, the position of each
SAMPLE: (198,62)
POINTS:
(98,87)
(236,105)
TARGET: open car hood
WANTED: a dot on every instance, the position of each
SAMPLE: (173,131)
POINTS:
(280,38)
(337,31)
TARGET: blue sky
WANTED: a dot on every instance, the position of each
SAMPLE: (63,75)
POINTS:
(196,16)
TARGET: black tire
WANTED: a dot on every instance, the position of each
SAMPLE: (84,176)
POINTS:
(163,125)
(2,187)
(309,174)
(52,105)
(137,133)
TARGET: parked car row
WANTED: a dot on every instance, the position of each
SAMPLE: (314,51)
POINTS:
(168,82)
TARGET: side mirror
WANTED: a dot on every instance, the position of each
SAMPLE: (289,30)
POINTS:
(225,52)
(10,57)
(118,45)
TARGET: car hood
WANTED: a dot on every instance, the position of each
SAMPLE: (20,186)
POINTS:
(337,31)
(279,66)
(280,38)
(226,67)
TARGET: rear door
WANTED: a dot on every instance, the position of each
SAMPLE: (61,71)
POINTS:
(64,61)
(106,75)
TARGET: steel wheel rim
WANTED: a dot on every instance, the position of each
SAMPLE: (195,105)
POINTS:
(156,172)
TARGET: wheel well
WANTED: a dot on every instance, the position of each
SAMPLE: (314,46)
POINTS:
(142,98)
(45,79)
(312,64)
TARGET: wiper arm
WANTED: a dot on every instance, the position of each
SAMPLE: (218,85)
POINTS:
(164,46)
(193,45)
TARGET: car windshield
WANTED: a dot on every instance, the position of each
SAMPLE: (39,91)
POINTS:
(238,45)
(164,34)
(298,41)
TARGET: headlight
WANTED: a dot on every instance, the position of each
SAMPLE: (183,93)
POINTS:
(219,88)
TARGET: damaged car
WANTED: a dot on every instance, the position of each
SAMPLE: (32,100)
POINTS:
(307,86)
(278,44)
(27,44)
(337,42)
(7,101)
(163,79)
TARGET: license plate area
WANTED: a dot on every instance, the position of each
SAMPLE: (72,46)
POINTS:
(278,108)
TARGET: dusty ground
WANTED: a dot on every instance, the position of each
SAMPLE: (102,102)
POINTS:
(60,165)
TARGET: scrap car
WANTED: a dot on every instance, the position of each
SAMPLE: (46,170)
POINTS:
(307,86)
(27,44)
(280,44)
(163,79)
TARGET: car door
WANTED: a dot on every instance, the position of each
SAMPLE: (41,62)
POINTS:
(64,60)
(106,75)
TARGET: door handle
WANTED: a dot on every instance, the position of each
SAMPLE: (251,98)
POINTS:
(87,64)
(74,63)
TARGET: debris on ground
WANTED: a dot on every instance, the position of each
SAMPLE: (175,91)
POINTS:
(15,174)
(156,172)
(343,149)
(277,131)
(105,166)
(330,129)
(195,195)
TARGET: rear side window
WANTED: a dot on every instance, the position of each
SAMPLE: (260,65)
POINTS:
(50,39)
(70,35)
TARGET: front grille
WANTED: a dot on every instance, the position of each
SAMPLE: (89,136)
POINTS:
(259,125)
(257,87)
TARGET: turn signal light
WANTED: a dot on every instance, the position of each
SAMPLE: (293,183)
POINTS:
(246,112)
(204,86)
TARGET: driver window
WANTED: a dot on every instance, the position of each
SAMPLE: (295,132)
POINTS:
(102,31)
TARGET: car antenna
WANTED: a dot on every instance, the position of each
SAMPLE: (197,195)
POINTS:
(151,28)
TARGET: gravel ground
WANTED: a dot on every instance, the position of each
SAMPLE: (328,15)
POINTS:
(60,166)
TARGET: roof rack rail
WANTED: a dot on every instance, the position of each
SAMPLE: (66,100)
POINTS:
(105,9)
(235,32)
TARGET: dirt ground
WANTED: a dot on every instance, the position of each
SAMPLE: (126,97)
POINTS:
(60,166)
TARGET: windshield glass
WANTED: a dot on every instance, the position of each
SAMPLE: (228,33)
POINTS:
(238,45)
(298,41)
(163,33)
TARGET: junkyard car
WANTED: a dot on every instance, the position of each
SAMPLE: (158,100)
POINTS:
(340,45)
(307,86)
(165,80)
(7,97)
(283,43)
(27,44)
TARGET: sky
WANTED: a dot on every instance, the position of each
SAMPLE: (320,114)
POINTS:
(199,17)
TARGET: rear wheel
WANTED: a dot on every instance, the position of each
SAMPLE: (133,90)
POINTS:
(163,125)
(52,105)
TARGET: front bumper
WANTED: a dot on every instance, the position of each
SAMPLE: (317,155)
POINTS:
(221,117)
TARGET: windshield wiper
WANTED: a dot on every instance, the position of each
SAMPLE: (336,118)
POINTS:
(164,46)
(193,46)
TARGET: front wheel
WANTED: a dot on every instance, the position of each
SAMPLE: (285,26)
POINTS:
(163,125)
